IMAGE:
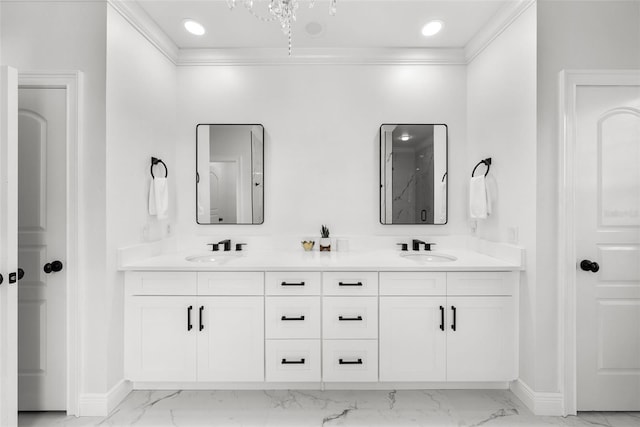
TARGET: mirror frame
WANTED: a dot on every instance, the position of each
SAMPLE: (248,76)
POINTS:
(381,157)
(197,178)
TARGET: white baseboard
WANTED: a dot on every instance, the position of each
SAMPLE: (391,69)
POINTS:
(540,403)
(101,404)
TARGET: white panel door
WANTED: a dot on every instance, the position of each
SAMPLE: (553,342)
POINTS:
(412,338)
(161,338)
(608,234)
(42,203)
(231,338)
(481,339)
(8,246)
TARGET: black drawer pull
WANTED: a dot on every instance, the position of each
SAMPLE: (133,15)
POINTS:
(189,325)
(350,362)
(441,318)
(292,318)
(292,362)
(342,318)
(292,284)
(200,317)
(349,284)
(453,325)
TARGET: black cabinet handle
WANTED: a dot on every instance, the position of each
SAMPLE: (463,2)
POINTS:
(292,284)
(441,318)
(350,362)
(349,284)
(342,318)
(292,318)
(200,317)
(453,325)
(12,278)
(189,325)
(591,266)
(292,362)
(1,279)
(54,267)
(20,274)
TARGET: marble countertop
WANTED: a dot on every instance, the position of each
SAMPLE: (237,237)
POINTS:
(375,260)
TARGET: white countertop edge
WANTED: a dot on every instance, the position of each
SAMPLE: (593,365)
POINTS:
(381,260)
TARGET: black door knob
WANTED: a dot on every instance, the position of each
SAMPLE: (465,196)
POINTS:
(54,267)
(591,266)
(20,274)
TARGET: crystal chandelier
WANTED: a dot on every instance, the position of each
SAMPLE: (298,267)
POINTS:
(283,11)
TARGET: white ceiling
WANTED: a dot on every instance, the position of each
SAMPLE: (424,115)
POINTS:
(357,24)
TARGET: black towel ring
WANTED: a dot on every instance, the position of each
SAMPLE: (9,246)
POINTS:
(155,161)
(486,162)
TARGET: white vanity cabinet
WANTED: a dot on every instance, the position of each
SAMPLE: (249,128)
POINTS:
(350,326)
(186,326)
(457,326)
(293,326)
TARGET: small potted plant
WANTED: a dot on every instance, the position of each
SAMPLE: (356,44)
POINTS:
(325,241)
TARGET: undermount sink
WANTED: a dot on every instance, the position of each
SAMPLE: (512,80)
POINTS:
(213,258)
(429,257)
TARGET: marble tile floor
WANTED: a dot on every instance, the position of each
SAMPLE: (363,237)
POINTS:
(329,408)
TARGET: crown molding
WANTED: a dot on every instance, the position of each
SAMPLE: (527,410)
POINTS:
(147,27)
(332,56)
(505,16)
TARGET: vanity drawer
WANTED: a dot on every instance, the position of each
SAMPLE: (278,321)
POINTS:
(293,283)
(293,360)
(413,283)
(350,283)
(160,283)
(480,283)
(350,317)
(350,360)
(230,283)
(292,317)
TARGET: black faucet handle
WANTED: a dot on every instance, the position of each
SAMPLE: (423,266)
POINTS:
(403,246)
(427,246)
(214,246)
(239,246)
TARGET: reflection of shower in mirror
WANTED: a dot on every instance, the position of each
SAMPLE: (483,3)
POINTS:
(231,155)
(413,174)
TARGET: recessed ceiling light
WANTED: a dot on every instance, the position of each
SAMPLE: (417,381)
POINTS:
(432,28)
(405,137)
(314,29)
(194,27)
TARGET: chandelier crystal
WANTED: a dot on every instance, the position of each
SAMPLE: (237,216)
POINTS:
(283,11)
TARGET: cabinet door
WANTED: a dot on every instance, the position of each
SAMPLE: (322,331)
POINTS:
(483,345)
(161,342)
(412,342)
(230,338)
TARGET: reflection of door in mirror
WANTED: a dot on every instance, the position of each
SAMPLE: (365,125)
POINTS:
(231,156)
(413,174)
(223,199)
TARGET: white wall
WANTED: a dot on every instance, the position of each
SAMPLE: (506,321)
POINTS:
(141,117)
(501,111)
(71,36)
(571,35)
(322,145)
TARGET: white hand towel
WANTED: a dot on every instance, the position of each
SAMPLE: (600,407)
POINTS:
(479,204)
(159,198)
